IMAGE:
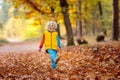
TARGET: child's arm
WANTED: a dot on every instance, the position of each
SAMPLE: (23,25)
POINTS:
(41,42)
(58,41)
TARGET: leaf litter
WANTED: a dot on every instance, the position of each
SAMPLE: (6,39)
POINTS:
(93,62)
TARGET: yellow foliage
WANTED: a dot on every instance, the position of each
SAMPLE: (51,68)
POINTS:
(28,15)
(33,29)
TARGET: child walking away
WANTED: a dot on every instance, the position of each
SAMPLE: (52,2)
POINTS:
(51,42)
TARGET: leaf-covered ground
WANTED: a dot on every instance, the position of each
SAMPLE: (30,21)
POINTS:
(94,62)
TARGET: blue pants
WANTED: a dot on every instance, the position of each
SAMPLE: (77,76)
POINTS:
(52,54)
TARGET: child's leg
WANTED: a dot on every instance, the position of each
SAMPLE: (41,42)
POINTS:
(53,57)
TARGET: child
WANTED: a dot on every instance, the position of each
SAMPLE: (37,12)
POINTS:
(51,42)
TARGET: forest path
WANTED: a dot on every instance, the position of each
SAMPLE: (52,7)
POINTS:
(19,47)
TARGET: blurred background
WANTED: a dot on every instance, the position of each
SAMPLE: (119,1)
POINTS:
(88,20)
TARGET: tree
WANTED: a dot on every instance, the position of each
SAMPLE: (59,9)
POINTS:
(4,12)
(1,28)
(115,27)
(64,5)
(45,8)
(58,26)
(79,23)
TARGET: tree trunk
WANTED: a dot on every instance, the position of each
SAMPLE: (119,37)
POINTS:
(79,31)
(54,15)
(100,8)
(58,30)
(115,27)
(64,6)
(79,23)
(70,40)
(93,30)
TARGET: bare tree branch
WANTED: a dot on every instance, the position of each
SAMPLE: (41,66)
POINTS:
(35,6)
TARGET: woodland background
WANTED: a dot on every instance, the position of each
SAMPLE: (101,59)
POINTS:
(26,19)
(89,32)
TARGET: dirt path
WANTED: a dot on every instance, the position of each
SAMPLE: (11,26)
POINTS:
(21,47)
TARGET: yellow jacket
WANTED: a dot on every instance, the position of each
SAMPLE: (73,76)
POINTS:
(51,40)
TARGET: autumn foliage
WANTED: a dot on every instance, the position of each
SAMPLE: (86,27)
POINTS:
(94,62)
